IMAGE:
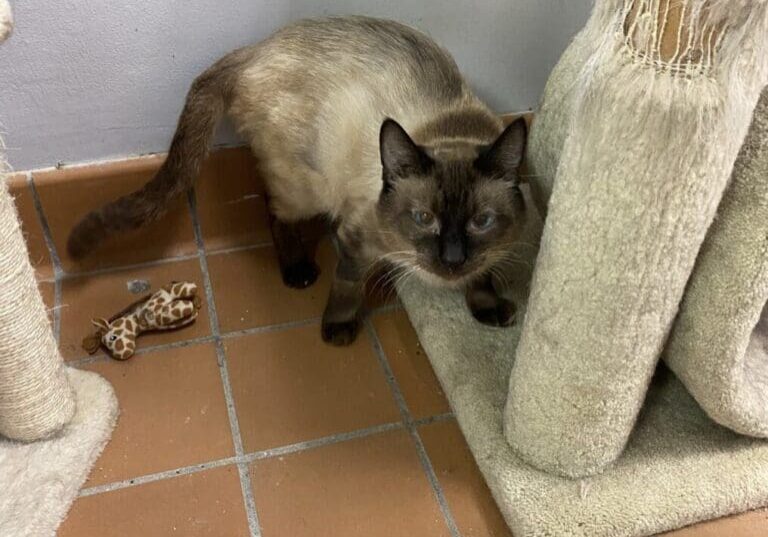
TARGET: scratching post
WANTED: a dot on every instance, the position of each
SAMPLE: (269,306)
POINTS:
(36,399)
(554,115)
(630,177)
(719,345)
(659,109)
(39,480)
(6,20)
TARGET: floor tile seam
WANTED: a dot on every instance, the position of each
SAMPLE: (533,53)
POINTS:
(249,458)
(424,459)
(152,263)
(42,219)
(234,334)
(103,357)
(73,275)
(246,486)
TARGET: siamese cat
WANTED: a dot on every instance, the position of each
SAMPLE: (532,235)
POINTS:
(370,123)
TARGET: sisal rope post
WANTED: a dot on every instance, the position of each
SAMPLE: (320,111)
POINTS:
(36,399)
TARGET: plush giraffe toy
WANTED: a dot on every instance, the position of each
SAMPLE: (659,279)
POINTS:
(174,306)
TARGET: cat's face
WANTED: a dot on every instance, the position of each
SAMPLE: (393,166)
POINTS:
(452,214)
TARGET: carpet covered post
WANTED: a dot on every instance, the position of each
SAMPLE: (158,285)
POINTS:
(659,108)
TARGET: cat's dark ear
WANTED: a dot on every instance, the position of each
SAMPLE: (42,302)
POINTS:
(504,157)
(400,156)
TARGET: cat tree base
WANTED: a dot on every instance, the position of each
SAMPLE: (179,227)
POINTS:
(679,466)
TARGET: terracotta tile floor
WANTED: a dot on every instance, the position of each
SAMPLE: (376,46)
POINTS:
(246,423)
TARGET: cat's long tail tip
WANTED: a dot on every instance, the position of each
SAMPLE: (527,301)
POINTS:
(85,237)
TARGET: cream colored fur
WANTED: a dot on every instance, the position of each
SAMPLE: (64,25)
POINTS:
(316,128)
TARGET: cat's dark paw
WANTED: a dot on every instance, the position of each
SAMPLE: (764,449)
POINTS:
(340,334)
(502,313)
(300,275)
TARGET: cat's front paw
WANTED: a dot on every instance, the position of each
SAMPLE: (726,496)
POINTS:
(501,313)
(340,334)
(300,275)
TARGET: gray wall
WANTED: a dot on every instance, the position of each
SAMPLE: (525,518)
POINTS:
(93,79)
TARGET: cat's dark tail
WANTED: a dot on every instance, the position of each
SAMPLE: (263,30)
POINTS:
(205,105)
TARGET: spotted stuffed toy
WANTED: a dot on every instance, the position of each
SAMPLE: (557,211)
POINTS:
(174,306)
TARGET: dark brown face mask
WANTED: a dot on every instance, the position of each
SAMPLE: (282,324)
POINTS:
(455,208)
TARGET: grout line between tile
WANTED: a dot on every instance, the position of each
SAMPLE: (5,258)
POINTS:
(57,310)
(101,357)
(439,418)
(244,460)
(235,249)
(245,481)
(150,478)
(270,328)
(55,259)
(108,270)
(204,339)
(47,235)
(411,427)
(84,360)
(324,441)
(155,262)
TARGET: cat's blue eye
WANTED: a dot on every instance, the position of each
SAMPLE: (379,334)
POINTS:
(483,221)
(423,218)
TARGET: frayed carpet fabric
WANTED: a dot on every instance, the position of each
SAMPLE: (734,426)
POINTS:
(40,480)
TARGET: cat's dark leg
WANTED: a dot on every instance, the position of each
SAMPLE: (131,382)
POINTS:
(488,306)
(341,318)
(296,266)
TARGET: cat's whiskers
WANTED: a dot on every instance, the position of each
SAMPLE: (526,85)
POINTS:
(499,274)
(522,243)
(513,263)
(510,258)
(377,232)
(385,277)
(407,268)
(407,276)
(400,263)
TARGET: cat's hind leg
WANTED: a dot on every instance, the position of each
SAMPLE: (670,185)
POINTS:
(296,266)
(295,193)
